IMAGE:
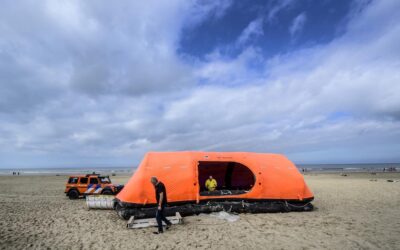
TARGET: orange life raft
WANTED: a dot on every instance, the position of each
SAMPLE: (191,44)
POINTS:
(247,182)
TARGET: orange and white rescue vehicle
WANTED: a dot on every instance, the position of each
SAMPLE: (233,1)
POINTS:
(90,184)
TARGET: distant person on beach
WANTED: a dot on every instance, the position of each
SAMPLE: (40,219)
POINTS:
(211,184)
(161,197)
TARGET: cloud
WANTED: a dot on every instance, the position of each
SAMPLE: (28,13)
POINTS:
(219,69)
(97,49)
(206,9)
(252,31)
(291,106)
(297,25)
(106,86)
(278,6)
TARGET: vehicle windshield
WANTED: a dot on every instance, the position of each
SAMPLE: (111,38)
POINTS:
(104,179)
(73,180)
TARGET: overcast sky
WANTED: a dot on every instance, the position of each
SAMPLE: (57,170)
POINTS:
(99,83)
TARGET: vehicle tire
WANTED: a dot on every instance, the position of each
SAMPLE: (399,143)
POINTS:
(73,194)
(107,192)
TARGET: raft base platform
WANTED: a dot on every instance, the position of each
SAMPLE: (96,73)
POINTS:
(212,206)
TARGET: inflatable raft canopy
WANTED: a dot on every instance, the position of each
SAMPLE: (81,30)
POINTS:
(247,182)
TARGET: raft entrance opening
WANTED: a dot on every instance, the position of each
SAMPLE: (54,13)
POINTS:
(232,178)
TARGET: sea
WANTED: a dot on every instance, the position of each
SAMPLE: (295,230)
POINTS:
(376,167)
(355,167)
(68,171)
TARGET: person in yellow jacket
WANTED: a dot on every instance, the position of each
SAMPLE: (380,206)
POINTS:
(211,184)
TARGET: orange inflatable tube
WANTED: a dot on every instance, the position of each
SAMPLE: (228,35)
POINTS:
(241,176)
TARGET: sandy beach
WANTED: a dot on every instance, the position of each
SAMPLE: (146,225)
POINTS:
(358,211)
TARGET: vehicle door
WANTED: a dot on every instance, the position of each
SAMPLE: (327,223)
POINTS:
(93,185)
(82,185)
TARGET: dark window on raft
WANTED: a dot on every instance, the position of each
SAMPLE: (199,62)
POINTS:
(232,178)
(73,180)
(94,181)
(83,180)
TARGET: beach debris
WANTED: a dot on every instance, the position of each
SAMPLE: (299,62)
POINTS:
(222,215)
(100,202)
(151,222)
(343,174)
(373,180)
(390,180)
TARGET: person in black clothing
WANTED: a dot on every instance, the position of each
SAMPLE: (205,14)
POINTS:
(161,197)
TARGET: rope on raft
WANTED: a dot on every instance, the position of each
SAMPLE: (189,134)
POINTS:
(301,206)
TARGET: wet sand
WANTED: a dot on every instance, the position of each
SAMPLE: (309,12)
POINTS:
(352,212)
